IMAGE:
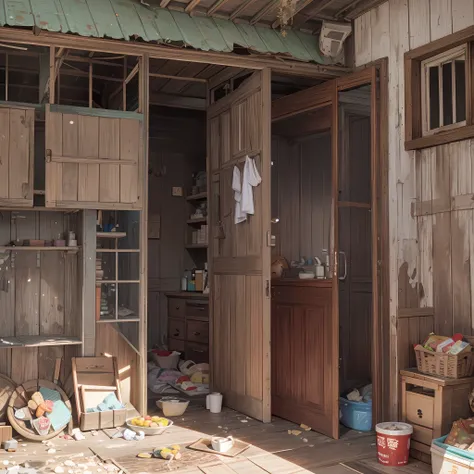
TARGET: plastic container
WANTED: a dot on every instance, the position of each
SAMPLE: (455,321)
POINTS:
(447,459)
(393,445)
(166,359)
(172,406)
(355,415)
(214,402)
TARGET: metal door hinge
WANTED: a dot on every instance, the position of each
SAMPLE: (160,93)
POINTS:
(267,288)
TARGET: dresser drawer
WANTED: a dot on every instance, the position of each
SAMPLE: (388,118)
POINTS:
(197,331)
(197,352)
(197,310)
(422,435)
(420,409)
(176,328)
(176,308)
(176,345)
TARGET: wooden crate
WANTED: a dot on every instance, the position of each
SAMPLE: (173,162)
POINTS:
(94,378)
(431,404)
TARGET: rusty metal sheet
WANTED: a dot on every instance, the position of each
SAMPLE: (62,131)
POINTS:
(130,19)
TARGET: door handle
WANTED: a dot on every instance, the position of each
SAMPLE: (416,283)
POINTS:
(343,254)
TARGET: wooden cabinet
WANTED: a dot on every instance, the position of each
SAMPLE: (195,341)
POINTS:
(431,404)
(16,156)
(93,161)
(188,325)
(301,352)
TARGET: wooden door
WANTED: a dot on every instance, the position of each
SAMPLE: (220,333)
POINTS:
(302,353)
(17,126)
(93,161)
(239,254)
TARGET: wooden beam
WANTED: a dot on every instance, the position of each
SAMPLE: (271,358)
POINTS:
(266,9)
(192,5)
(164,3)
(179,78)
(223,76)
(177,101)
(215,6)
(299,7)
(314,13)
(133,73)
(240,9)
(352,5)
(278,65)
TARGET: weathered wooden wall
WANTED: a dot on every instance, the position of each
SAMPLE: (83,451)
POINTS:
(430,253)
(177,149)
(38,296)
(301,195)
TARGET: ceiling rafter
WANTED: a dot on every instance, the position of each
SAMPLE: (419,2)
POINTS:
(215,6)
(241,8)
(352,5)
(314,13)
(164,3)
(266,9)
(299,7)
(192,5)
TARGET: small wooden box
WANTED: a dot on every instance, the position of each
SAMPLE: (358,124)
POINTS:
(431,404)
(94,378)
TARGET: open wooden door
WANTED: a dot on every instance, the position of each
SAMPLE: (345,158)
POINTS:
(239,254)
(93,159)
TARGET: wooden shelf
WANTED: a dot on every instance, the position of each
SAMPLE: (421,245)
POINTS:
(38,341)
(197,246)
(111,235)
(202,220)
(38,249)
(197,197)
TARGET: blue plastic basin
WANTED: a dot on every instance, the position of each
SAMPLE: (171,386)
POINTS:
(355,415)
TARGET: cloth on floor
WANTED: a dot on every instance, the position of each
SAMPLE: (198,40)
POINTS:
(243,189)
(110,402)
(158,380)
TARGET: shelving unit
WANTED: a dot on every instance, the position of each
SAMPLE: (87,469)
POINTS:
(13,248)
(38,341)
(109,282)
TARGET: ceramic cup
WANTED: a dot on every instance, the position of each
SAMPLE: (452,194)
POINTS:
(222,445)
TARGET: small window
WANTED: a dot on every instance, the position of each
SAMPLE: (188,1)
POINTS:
(444,91)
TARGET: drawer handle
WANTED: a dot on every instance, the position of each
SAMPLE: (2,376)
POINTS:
(177,308)
(419,412)
(176,333)
(199,350)
(197,333)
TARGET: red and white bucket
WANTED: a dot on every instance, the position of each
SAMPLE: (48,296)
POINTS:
(393,443)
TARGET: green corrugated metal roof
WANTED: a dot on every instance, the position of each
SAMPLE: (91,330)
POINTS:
(129,19)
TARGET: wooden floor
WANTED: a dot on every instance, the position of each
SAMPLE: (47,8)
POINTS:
(273,450)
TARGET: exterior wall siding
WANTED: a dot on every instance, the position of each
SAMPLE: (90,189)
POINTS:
(431,218)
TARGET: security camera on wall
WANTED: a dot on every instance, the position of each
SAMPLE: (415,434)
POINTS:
(332,37)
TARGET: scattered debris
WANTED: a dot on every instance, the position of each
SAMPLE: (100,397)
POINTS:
(243,421)
(58,469)
(51,451)
(305,427)
(69,463)
(294,432)
(94,433)
(77,434)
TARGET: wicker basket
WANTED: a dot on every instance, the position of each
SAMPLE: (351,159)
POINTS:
(445,365)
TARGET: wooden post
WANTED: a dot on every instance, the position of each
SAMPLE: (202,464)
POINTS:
(6,76)
(52,74)
(124,84)
(90,85)
(144,106)
(89,244)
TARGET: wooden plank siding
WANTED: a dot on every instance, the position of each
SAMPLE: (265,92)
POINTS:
(39,294)
(431,218)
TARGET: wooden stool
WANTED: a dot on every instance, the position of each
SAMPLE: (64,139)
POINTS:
(431,404)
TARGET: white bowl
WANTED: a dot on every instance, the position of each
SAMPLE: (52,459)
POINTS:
(172,406)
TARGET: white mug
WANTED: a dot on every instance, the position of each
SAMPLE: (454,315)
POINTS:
(222,445)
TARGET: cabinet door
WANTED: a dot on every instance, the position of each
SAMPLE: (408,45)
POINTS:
(17,127)
(93,161)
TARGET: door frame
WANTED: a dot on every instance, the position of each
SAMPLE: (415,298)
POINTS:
(327,94)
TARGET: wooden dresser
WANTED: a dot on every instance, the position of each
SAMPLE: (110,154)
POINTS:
(301,352)
(188,325)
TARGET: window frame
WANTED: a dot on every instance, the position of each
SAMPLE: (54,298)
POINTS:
(438,61)
(415,91)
